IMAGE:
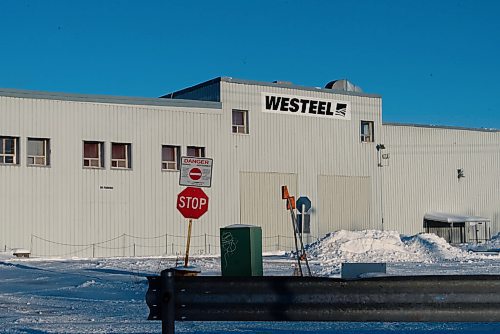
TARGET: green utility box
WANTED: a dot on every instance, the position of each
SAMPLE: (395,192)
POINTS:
(241,250)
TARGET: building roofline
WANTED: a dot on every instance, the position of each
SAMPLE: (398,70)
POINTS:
(147,101)
(442,127)
(267,84)
(191,88)
(293,86)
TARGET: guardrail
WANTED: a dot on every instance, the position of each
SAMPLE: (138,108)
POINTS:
(280,298)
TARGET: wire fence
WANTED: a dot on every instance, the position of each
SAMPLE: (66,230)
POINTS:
(126,245)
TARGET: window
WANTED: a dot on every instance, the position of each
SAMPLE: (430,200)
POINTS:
(9,150)
(121,156)
(367,132)
(93,154)
(38,152)
(240,121)
(195,151)
(170,157)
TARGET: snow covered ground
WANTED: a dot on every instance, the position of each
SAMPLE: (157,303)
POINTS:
(107,295)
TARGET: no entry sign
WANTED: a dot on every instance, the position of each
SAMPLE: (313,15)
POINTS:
(196,172)
(192,202)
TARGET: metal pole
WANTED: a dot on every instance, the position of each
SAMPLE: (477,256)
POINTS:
(303,255)
(93,250)
(295,232)
(168,298)
(379,164)
(188,243)
(382,195)
(166,243)
(205,243)
(303,214)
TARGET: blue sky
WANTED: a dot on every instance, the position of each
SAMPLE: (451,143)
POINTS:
(433,62)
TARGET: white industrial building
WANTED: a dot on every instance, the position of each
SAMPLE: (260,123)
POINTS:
(85,175)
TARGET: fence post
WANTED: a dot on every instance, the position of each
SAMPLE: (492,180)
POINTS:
(166,243)
(205,243)
(31,245)
(278,242)
(172,248)
(134,249)
(93,250)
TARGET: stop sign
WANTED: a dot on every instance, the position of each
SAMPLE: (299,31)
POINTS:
(192,202)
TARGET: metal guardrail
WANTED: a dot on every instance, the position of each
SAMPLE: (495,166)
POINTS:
(281,298)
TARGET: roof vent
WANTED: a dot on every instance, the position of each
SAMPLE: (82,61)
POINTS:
(280,82)
(344,85)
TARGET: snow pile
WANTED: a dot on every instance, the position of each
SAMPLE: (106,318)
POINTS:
(6,255)
(382,246)
(492,245)
(435,249)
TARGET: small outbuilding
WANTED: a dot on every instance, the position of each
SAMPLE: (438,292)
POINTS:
(458,229)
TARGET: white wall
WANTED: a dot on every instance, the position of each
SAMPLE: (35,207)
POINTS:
(422,175)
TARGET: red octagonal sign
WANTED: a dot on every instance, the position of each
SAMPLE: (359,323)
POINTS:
(192,202)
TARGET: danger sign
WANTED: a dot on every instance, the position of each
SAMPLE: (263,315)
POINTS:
(196,172)
(192,203)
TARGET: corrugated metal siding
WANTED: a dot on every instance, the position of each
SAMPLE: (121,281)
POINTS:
(345,203)
(422,175)
(61,210)
(262,205)
(305,146)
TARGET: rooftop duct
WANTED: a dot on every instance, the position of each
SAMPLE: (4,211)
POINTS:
(344,85)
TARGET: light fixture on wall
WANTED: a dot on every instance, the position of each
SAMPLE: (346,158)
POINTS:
(379,147)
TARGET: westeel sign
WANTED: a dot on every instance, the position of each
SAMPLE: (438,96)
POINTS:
(305,106)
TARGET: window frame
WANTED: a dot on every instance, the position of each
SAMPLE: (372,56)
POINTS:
(46,156)
(367,137)
(14,156)
(201,148)
(100,155)
(128,157)
(235,128)
(176,161)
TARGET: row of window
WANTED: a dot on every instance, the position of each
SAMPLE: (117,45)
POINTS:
(121,153)
(38,149)
(38,153)
(240,125)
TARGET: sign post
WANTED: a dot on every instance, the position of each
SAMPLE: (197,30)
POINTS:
(192,203)
(186,259)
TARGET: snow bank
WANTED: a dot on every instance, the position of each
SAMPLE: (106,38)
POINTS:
(492,245)
(382,246)
(6,255)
